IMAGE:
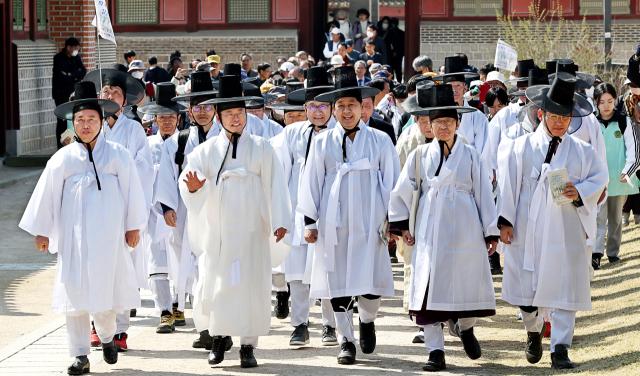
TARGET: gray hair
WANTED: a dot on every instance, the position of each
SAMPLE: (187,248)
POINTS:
(360,62)
(421,62)
(300,53)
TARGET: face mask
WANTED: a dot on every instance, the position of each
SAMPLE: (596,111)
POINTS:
(635,90)
(341,22)
(512,77)
(589,92)
(370,34)
(137,75)
(399,107)
(74,53)
(385,25)
(279,112)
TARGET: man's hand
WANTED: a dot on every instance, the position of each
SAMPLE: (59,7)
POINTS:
(66,141)
(193,183)
(170,218)
(506,234)
(623,178)
(571,192)
(492,245)
(369,62)
(408,239)
(181,73)
(279,234)
(132,237)
(42,243)
(311,236)
(602,195)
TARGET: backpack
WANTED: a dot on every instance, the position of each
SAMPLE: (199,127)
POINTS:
(183,137)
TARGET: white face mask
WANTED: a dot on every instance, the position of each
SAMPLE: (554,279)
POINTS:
(74,53)
(341,22)
(385,25)
(399,107)
(137,75)
(635,90)
(512,77)
(370,34)
(279,112)
(589,92)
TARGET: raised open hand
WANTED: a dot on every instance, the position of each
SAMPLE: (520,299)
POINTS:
(193,183)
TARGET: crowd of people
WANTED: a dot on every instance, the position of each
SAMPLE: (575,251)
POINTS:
(308,179)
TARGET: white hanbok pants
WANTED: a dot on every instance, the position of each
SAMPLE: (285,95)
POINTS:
(279,282)
(301,305)
(367,310)
(161,292)
(434,336)
(79,330)
(563,323)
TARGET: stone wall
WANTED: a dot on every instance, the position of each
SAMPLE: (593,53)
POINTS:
(264,45)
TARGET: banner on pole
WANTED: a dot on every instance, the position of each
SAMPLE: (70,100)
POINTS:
(506,56)
(103,22)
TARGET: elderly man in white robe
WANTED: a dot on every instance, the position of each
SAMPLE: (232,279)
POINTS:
(347,222)
(239,210)
(169,203)
(268,128)
(87,207)
(546,261)
(292,147)
(163,260)
(123,89)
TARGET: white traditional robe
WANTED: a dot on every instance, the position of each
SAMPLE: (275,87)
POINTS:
(269,129)
(233,222)
(455,215)
(349,201)
(130,134)
(547,264)
(502,121)
(291,148)
(86,226)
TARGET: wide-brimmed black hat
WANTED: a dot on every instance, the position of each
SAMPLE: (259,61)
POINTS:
(290,104)
(431,97)
(317,83)
(132,88)
(346,85)
(454,71)
(585,80)
(274,93)
(249,90)
(560,97)
(201,86)
(230,90)
(85,99)
(524,66)
(536,77)
(164,105)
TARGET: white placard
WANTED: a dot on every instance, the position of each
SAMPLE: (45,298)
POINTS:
(103,22)
(506,57)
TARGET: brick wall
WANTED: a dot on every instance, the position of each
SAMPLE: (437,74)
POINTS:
(72,18)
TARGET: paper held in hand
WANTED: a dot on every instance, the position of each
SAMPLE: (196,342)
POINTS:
(506,56)
(558,180)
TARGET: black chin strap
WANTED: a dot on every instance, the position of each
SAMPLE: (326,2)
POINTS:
(306,154)
(442,145)
(202,135)
(347,132)
(88,145)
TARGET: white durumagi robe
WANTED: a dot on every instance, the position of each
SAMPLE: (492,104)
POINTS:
(349,201)
(270,128)
(86,226)
(130,134)
(233,221)
(474,128)
(455,215)
(291,149)
(547,264)
(500,123)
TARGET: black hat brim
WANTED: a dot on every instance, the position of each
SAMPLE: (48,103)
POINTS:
(300,94)
(135,90)
(411,106)
(585,80)
(255,103)
(65,110)
(152,108)
(467,75)
(188,96)
(538,95)
(286,106)
(229,100)
(365,92)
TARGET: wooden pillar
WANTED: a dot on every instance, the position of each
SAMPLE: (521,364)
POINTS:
(193,16)
(412,13)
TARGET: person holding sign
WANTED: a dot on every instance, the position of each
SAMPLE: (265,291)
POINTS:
(451,278)
(546,262)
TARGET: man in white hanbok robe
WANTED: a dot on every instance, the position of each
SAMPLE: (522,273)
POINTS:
(88,207)
(546,260)
(344,193)
(267,128)
(233,213)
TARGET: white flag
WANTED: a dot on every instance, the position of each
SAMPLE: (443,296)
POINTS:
(506,57)
(103,22)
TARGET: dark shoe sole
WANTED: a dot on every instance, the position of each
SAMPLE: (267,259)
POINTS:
(298,343)
(330,343)
(181,323)
(346,360)
(248,364)
(110,361)
(79,372)
(417,339)
(553,366)
(430,368)
(165,329)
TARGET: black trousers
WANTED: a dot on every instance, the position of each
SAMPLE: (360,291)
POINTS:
(396,65)
(632,204)
(339,304)
(61,125)
(528,309)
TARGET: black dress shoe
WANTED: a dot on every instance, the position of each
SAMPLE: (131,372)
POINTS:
(533,350)
(560,358)
(436,362)
(205,341)
(367,337)
(595,262)
(329,336)
(282,305)
(469,342)
(347,354)
(300,336)
(613,259)
(494,263)
(219,346)
(110,352)
(247,360)
(78,367)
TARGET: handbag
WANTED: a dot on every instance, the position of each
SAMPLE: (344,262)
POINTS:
(417,192)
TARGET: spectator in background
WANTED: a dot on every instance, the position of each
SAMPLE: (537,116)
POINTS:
(304,64)
(496,99)
(342,51)
(174,54)
(379,43)
(214,61)
(496,78)
(264,71)
(293,60)
(210,52)
(337,61)
(302,56)
(174,64)
(361,71)
(370,56)
(68,69)
(345,26)
(374,68)
(285,68)
(351,52)
(441,70)
(296,72)
(154,73)
(423,65)
(389,71)
(331,47)
(136,70)
(129,56)
(359,29)
(395,60)
(280,60)
(245,61)
(194,63)
(485,69)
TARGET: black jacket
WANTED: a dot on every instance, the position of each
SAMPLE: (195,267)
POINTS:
(383,126)
(67,71)
(157,75)
(381,47)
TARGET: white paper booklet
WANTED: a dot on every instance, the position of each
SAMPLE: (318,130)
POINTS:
(558,180)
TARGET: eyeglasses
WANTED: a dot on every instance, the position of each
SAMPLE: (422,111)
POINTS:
(448,122)
(322,108)
(556,118)
(198,108)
